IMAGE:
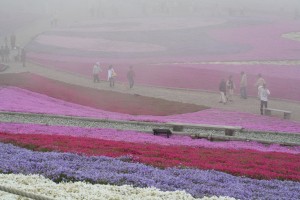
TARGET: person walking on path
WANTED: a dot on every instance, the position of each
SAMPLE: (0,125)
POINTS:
(96,71)
(130,77)
(230,88)
(222,89)
(243,85)
(263,94)
(111,74)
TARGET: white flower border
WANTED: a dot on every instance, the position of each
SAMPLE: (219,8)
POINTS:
(39,185)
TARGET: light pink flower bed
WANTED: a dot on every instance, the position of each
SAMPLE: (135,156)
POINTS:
(139,137)
(143,24)
(19,100)
(91,44)
(264,42)
(282,81)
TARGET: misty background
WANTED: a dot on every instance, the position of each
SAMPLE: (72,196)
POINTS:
(74,34)
(72,11)
(141,8)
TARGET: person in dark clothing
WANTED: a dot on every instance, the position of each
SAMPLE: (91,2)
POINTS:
(222,89)
(130,77)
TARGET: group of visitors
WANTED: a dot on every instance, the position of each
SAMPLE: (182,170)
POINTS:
(12,52)
(111,75)
(5,54)
(5,51)
(226,89)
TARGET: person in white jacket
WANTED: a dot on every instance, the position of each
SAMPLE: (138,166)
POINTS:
(111,74)
(263,94)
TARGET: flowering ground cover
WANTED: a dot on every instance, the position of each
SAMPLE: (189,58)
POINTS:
(121,168)
(266,166)
(140,137)
(36,184)
(259,41)
(106,100)
(282,79)
(65,167)
(127,164)
(265,40)
(19,100)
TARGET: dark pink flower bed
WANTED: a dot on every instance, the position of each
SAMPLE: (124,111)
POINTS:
(254,164)
(106,100)
(283,81)
(142,138)
(19,100)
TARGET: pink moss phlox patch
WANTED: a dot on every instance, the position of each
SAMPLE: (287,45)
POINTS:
(19,100)
(138,137)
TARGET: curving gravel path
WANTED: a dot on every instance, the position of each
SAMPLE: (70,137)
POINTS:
(200,132)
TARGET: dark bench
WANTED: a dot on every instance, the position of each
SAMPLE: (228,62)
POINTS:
(228,130)
(286,114)
(159,131)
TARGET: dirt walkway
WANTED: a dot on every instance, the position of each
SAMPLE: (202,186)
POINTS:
(251,105)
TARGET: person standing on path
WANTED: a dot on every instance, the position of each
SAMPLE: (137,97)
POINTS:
(230,88)
(111,74)
(243,85)
(260,81)
(130,77)
(263,94)
(222,89)
(96,71)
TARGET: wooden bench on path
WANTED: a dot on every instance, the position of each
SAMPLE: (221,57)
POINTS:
(229,130)
(159,131)
(286,114)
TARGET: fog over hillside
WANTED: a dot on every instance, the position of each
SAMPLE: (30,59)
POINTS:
(139,8)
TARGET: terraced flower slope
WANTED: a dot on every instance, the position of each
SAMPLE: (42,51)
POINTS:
(25,101)
(65,162)
(161,56)
(190,168)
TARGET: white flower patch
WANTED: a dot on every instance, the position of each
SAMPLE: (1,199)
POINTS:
(39,185)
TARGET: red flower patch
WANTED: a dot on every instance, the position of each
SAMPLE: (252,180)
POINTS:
(250,163)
